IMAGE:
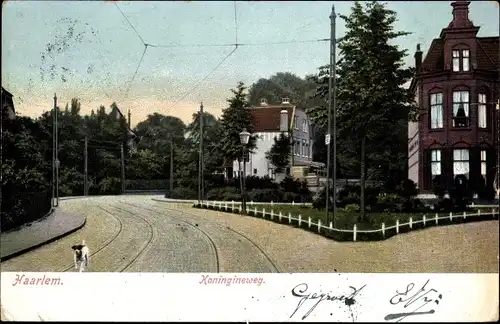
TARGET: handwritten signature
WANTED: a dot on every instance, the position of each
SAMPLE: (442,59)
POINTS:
(411,296)
(301,291)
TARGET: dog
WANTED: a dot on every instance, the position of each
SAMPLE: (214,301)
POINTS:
(81,256)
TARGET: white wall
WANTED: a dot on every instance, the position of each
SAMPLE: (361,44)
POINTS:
(264,142)
(413,161)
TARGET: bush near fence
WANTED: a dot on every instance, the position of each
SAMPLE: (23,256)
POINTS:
(141,184)
(25,207)
(355,234)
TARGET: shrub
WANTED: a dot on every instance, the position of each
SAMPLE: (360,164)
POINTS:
(254,182)
(352,208)
(110,186)
(224,193)
(183,193)
(291,197)
(289,184)
(265,195)
(387,203)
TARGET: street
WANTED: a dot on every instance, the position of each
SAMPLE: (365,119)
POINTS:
(137,234)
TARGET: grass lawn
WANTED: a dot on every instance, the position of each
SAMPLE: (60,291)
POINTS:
(347,219)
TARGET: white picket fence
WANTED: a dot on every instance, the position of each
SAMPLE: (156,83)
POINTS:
(232,206)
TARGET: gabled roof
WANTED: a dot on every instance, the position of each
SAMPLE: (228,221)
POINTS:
(267,118)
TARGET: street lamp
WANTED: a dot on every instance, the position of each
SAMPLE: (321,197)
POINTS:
(244,138)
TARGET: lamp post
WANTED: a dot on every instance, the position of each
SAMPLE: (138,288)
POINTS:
(244,137)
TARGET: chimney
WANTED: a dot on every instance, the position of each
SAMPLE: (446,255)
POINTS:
(263,102)
(129,115)
(460,15)
(284,120)
(418,58)
(285,101)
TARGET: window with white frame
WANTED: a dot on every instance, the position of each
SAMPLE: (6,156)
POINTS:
(461,60)
(435,162)
(436,110)
(304,125)
(296,122)
(483,163)
(465,60)
(460,108)
(461,162)
(296,147)
(481,111)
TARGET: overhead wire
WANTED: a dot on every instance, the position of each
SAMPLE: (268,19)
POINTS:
(241,44)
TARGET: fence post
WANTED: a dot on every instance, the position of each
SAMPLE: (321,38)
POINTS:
(293,203)
(263,213)
(289,218)
(465,215)
(397,226)
(437,219)
(423,219)
(479,212)
(239,209)
(225,205)
(272,213)
(255,212)
(232,204)
(331,225)
(493,210)
(383,229)
(309,222)
(451,217)
(300,220)
(272,203)
(354,233)
(251,202)
(319,225)
(411,222)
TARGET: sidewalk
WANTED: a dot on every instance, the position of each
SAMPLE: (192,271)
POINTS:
(30,236)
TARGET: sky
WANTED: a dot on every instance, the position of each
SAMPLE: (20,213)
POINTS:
(96,52)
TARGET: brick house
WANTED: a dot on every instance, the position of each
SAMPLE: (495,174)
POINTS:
(456,89)
(267,119)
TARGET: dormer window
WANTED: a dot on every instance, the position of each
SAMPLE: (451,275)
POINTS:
(461,60)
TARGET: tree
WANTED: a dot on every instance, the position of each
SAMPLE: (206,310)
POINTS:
(372,104)
(211,158)
(234,119)
(279,86)
(279,154)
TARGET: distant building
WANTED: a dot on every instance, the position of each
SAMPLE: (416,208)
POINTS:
(456,88)
(132,137)
(266,121)
(8,110)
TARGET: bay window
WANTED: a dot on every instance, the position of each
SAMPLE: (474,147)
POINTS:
(460,108)
(461,162)
(483,163)
(481,111)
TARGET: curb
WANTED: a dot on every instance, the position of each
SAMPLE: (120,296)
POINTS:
(15,254)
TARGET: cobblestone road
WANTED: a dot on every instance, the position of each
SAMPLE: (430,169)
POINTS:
(136,234)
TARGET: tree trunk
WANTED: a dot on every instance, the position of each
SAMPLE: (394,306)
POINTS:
(363,168)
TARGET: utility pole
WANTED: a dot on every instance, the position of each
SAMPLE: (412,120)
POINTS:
(200,175)
(171,164)
(1,152)
(122,158)
(54,154)
(329,132)
(86,169)
(334,111)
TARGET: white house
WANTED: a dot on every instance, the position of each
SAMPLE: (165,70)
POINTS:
(268,121)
